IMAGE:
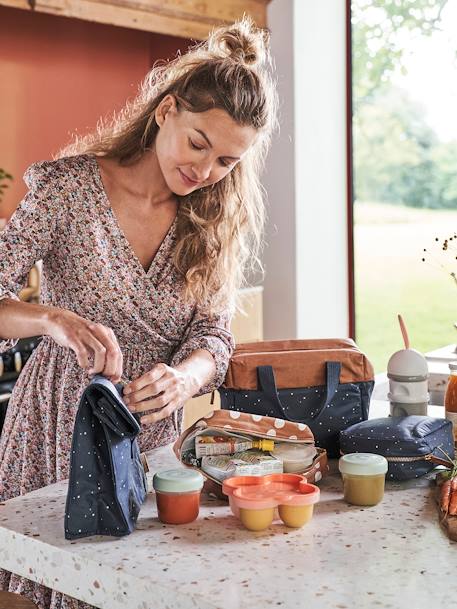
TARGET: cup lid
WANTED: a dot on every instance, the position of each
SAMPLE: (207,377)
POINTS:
(408,362)
(363,464)
(178,480)
(298,455)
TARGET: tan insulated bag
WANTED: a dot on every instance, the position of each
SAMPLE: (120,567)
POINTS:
(324,384)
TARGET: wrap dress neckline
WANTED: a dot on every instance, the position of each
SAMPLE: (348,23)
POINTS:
(152,273)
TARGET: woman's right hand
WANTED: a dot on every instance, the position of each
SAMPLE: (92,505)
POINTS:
(95,345)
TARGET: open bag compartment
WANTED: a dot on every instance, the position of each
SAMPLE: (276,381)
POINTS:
(243,425)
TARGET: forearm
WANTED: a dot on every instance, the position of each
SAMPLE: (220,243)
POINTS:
(200,369)
(22,319)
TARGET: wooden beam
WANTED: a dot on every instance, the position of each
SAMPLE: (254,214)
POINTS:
(185,18)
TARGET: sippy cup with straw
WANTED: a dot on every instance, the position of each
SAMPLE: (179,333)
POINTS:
(407,371)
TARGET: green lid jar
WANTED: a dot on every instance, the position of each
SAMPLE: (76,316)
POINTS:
(178,495)
(363,477)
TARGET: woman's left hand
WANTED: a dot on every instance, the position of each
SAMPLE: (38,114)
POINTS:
(162,389)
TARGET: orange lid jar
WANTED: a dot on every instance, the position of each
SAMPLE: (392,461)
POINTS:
(178,495)
(450,397)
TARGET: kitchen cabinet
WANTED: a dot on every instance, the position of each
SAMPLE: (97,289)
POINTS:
(185,18)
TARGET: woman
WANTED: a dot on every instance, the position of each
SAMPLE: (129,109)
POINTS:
(144,229)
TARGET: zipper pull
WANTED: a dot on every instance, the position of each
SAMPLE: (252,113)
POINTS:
(212,398)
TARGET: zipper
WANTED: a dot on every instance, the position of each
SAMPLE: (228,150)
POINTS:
(258,435)
(409,459)
(428,457)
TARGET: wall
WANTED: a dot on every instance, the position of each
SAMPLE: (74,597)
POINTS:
(58,77)
(280,260)
(306,259)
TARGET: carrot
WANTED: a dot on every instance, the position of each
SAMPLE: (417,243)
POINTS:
(453,498)
(445,496)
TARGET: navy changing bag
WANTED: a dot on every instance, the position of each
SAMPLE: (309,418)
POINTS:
(107,484)
(325,384)
(412,445)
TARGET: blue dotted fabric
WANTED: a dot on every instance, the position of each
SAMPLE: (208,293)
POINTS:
(107,483)
(401,437)
(348,405)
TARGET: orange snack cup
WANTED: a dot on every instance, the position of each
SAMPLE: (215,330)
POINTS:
(254,499)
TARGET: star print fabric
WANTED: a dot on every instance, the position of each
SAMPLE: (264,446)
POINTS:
(325,384)
(404,441)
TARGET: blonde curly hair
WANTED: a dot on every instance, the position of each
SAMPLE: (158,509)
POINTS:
(219,227)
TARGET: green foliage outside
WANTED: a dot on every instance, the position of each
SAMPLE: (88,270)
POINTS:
(377,41)
(391,278)
(399,163)
(398,157)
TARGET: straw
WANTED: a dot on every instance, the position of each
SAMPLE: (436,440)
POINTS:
(404,331)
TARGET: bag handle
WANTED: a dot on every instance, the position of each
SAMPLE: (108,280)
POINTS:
(439,461)
(267,383)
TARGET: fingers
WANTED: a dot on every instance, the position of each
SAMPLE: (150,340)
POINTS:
(99,353)
(149,378)
(161,414)
(150,391)
(107,353)
(82,354)
(156,402)
(161,390)
(90,341)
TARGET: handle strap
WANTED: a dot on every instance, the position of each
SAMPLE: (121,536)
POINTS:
(439,461)
(267,384)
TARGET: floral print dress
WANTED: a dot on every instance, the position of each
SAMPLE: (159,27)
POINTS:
(90,268)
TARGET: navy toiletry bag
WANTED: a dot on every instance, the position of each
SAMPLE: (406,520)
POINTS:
(107,484)
(324,384)
(412,445)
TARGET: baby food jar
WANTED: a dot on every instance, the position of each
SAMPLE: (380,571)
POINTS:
(178,495)
(363,477)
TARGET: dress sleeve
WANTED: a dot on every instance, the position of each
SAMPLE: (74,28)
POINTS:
(28,236)
(212,333)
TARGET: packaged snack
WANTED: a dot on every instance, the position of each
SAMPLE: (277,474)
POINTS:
(231,424)
(221,445)
(247,463)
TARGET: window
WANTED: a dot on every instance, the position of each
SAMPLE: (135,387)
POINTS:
(404,92)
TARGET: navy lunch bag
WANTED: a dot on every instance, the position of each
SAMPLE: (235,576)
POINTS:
(325,384)
(107,484)
(412,445)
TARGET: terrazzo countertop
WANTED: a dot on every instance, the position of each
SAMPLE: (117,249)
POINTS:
(388,556)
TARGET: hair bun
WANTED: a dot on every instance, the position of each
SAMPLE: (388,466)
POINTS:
(241,42)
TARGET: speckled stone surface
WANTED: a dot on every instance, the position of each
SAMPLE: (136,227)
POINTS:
(388,556)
